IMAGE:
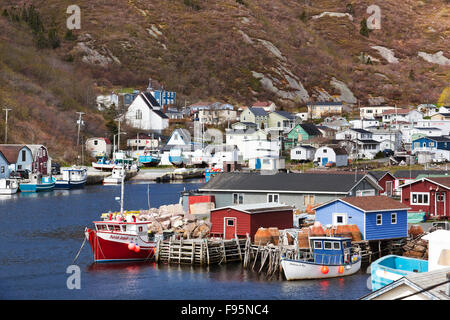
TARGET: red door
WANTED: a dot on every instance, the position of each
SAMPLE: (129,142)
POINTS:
(441,203)
(229,227)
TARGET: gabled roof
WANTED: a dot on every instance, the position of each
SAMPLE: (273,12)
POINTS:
(258,111)
(161,114)
(310,129)
(284,182)
(437,139)
(370,203)
(11,152)
(378,175)
(360,130)
(150,100)
(285,114)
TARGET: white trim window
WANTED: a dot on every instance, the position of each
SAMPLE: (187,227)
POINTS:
(273,197)
(420,198)
(238,198)
(339,218)
(317,244)
(379,219)
(328,245)
(393,218)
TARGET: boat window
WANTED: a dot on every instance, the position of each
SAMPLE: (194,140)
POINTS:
(101,227)
(336,245)
(317,244)
(327,245)
(111,227)
(140,229)
(116,228)
(124,228)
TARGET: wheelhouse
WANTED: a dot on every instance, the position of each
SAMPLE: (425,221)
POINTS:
(331,250)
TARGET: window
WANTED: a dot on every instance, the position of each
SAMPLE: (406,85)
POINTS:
(327,245)
(95,142)
(420,198)
(393,218)
(324,150)
(124,228)
(317,244)
(238,198)
(336,245)
(3,169)
(379,219)
(230,222)
(272,197)
(440,197)
(339,218)
(138,114)
(24,155)
(308,199)
(140,229)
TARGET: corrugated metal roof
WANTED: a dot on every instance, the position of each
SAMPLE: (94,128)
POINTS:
(257,207)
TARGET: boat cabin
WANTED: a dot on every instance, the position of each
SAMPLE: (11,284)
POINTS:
(139,228)
(331,250)
(74,174)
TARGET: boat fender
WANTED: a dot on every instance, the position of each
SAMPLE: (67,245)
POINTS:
(131,246)
(137,248)
(341,269)
(324,269)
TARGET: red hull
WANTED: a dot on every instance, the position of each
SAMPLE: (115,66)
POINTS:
(105,250)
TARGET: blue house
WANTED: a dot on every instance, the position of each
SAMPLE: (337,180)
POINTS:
(4,166)
(430,144)
(377,217)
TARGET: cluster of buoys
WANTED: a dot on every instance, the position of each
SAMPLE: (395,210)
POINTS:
(134,247)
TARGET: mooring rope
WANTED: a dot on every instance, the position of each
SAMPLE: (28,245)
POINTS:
(79,251)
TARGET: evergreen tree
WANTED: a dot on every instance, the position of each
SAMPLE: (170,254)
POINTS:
(364,30)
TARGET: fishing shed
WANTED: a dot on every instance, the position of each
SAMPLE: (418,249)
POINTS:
(377,217)
(240,220)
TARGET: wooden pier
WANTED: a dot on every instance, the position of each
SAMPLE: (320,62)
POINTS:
(200,251)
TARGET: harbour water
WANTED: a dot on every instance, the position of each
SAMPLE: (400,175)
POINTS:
(42,233)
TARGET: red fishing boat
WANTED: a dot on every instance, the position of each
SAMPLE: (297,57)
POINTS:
(123,238)
(116,240)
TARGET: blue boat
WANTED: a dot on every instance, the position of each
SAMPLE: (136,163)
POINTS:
(72,178)
(150,158)
(37,183)
(392,267)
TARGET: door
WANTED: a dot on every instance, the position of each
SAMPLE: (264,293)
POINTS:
(258,163)
(389,188)
(324,161)
(440,203)
(229,228)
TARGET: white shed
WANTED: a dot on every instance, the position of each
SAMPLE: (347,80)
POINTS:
(331,154)
(303,153)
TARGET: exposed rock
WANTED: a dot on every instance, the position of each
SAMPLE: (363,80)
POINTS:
(92,56)
(437,58)
(333,14)
(386,53)
(346,93)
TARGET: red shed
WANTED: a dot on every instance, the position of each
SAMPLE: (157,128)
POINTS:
(431,195)
(248,218)
(385,180)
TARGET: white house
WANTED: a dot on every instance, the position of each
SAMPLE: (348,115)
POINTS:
(373,111)
(266,163)
(303,153)
(268,106)
(363,145)
(98,147)
(333,154)
(179,138)
(145,113)
(405,115)
(388,139)
(364,123)
(237,137)
(260,149)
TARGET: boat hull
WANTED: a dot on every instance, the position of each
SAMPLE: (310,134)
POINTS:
(391,268)
(103,167)
(113,247)
(111,181)
(68,185)
(31,187)
(6,191)
(302,270)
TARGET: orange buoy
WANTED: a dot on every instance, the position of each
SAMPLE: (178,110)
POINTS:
(137,248)
(131,246)
(341,269)
(325,269)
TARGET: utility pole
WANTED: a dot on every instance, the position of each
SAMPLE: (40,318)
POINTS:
(6,125)
(118,135)
(80,114)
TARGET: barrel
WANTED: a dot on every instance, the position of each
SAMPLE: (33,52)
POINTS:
(275,235)
(356,234)
(414,231)
(263,236)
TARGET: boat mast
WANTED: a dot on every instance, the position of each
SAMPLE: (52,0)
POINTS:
(122,190)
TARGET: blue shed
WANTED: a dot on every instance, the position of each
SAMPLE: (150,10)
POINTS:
(377,217)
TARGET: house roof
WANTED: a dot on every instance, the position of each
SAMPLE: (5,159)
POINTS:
(161,114)
(396,111)
(339,150)
(374,203)
(325,103)
(149,100)
(380,174)
(310,129)
(258,111)
(414,173)
(257,207)
(437,139)
(285,114)
(11,152)
(432,283)
(284,182)
(360,130)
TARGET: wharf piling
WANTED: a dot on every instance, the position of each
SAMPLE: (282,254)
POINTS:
(199,251)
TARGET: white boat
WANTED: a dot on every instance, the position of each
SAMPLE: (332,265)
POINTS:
(8,186)
(72,178)
(331,257)
(116,176)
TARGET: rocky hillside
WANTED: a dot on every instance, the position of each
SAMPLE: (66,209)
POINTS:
(237,51)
